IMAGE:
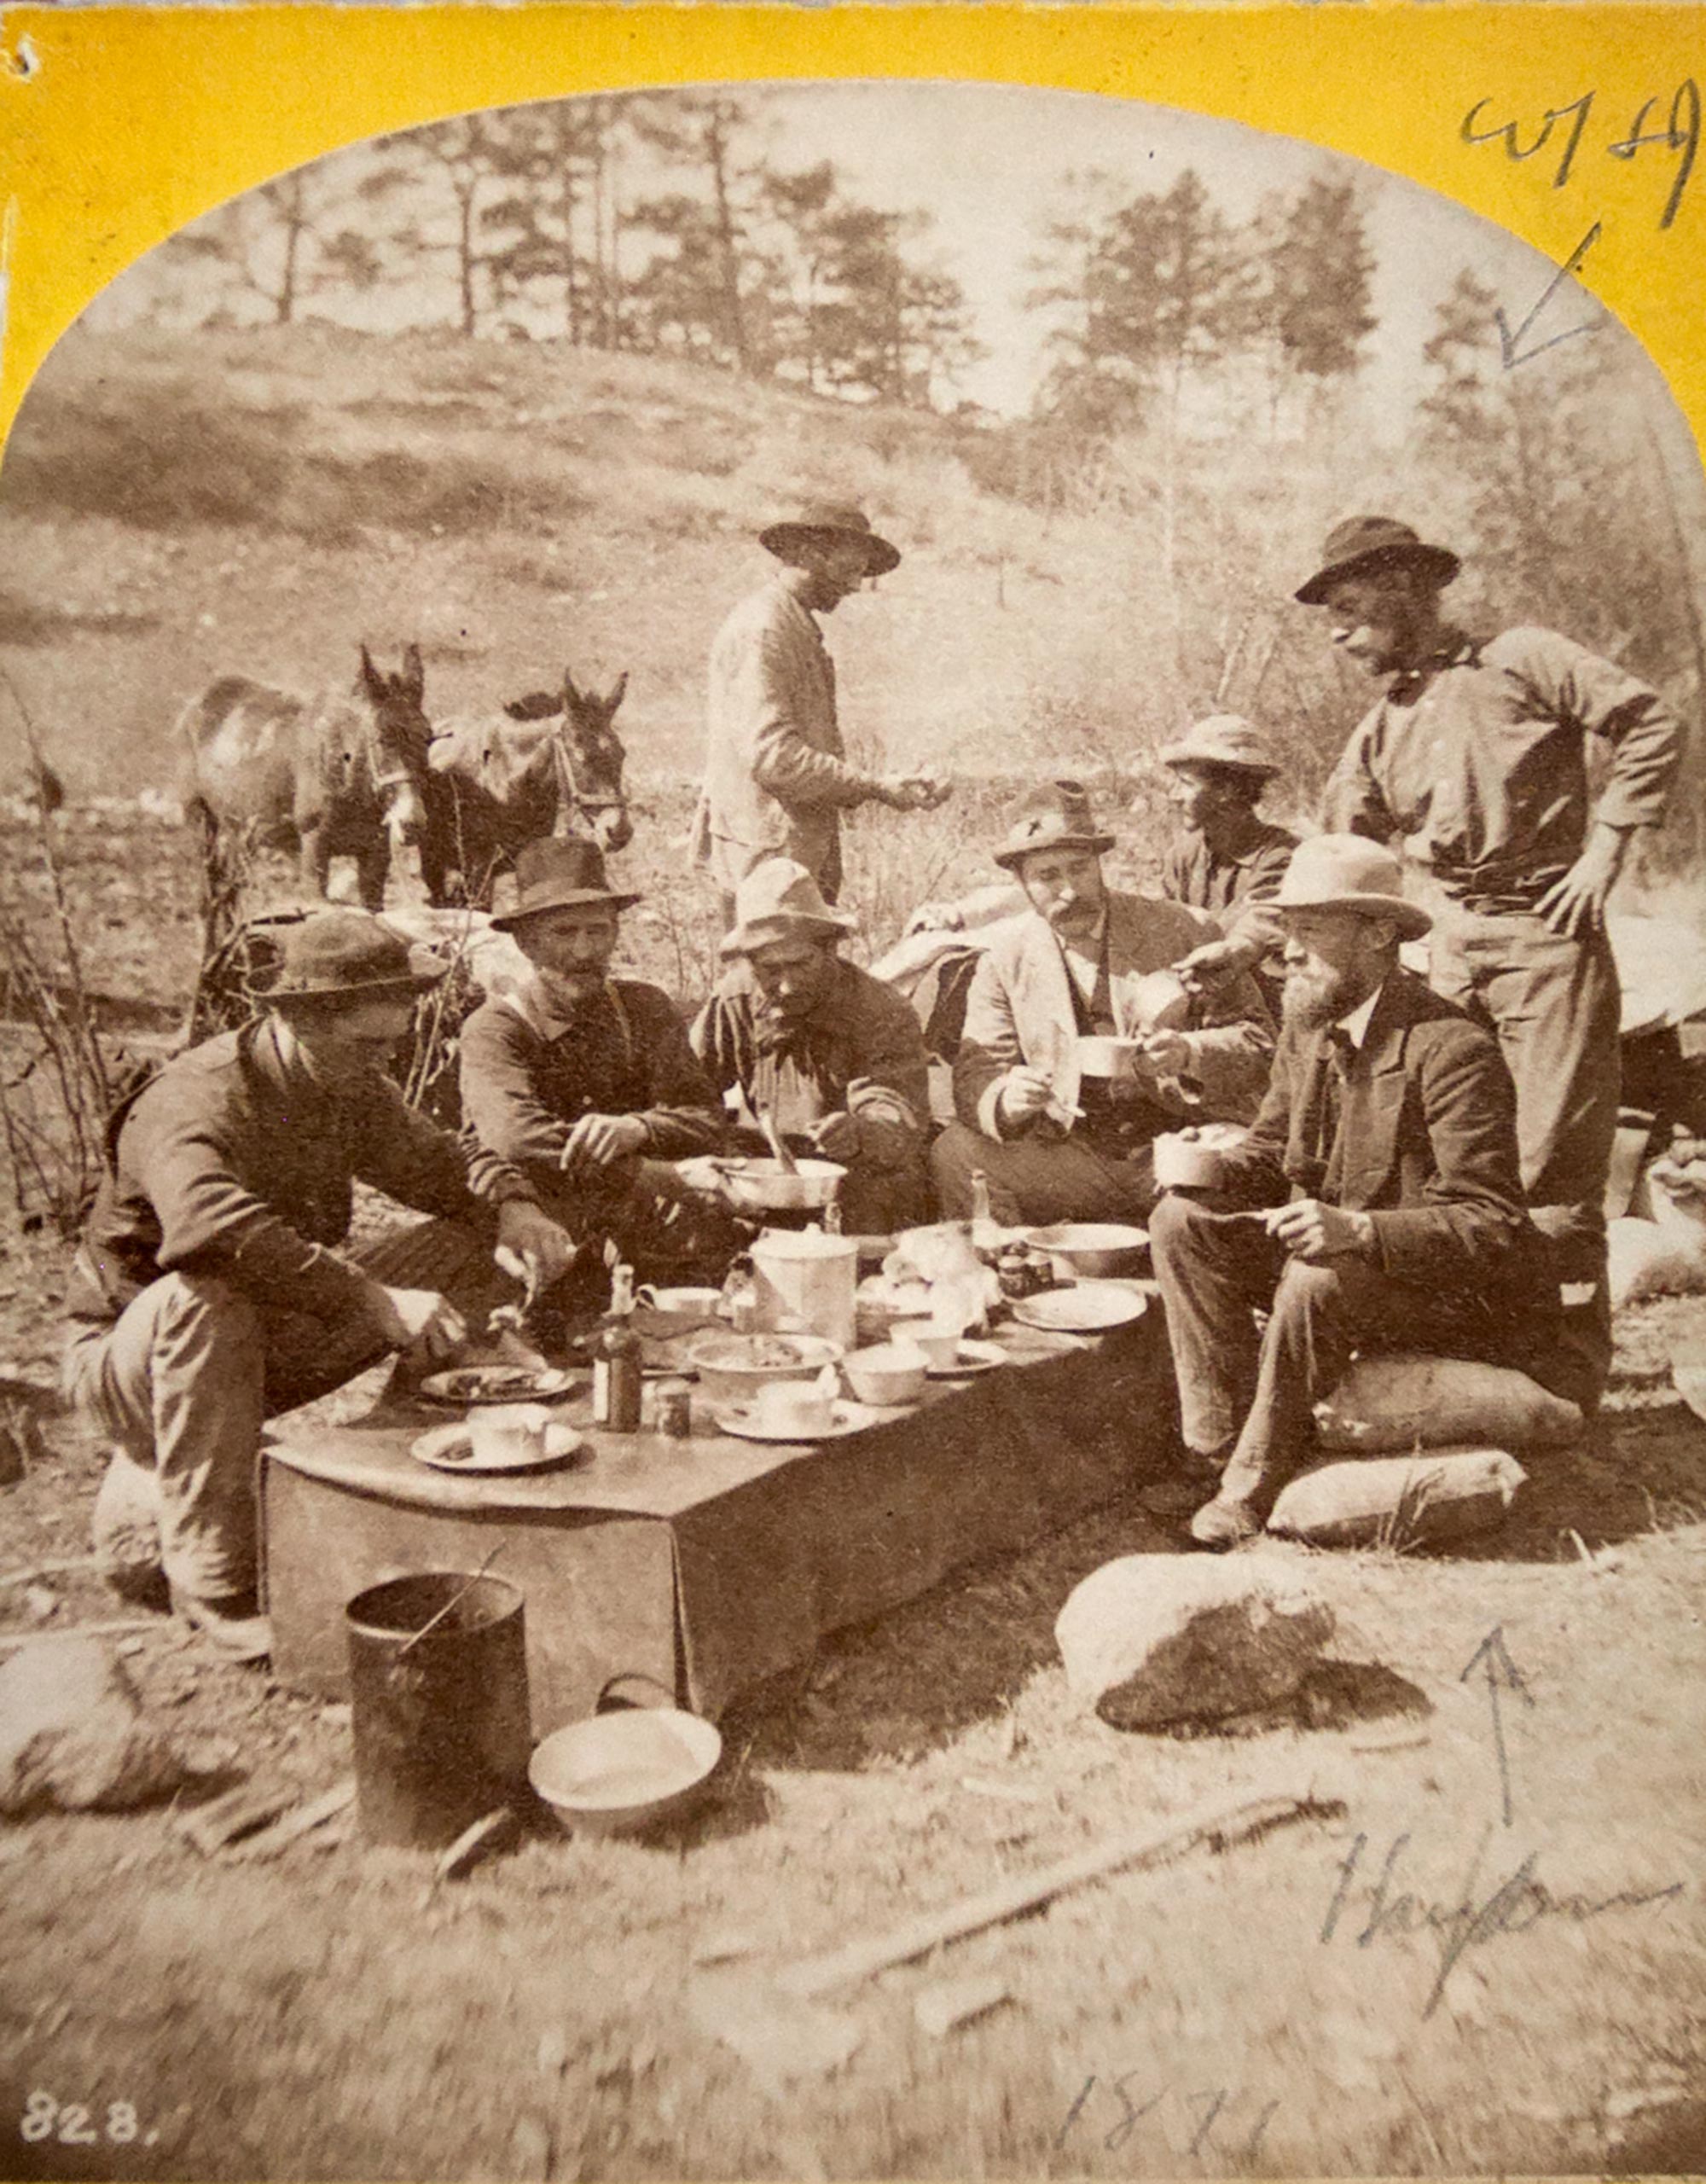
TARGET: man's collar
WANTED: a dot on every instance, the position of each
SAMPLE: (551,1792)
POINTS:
(1451,648)
(1355,1026)
(542,1012)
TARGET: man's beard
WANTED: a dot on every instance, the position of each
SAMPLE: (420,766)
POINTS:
(1312,999)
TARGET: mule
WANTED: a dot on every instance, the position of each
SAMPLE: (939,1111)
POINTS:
(551,764)
(331,775)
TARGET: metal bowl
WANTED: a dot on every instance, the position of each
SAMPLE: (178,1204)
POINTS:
(732,1367)
(1081,1250)
(619,1774)
(764,1186)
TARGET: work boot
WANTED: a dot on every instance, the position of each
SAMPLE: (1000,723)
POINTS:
(233,1626)
(1224,1522)
(1181,1492)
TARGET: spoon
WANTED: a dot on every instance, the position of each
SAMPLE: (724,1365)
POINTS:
(772,1137)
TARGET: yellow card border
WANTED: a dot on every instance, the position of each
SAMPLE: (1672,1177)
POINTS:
(119,125)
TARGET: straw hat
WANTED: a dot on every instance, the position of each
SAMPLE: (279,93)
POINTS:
(553,875)
(1347,872)
(780,900)
(349,954)
(832,520)
(1223,740)
(1363,544)
(1056,815)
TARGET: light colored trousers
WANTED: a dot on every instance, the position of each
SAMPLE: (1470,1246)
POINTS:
(182,1382)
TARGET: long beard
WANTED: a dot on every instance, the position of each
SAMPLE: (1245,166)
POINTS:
(1308,1003)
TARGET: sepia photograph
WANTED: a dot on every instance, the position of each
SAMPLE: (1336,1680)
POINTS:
(853,1166)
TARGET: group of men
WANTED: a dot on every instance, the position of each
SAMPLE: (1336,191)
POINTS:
(1423,1163)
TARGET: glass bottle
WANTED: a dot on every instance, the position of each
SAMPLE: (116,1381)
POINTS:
(987,1235)
(616,1371)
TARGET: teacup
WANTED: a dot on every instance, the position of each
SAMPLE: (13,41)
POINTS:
(509,1433)
(886,1373)
(801,1410)
(940,1345)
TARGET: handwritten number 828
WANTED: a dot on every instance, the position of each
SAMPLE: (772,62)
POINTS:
(45,2118)
(1680,133)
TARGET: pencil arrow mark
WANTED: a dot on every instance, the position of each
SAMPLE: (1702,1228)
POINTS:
(1493,1655)
(1509,344)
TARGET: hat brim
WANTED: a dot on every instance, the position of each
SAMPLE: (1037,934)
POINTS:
(1439,561)
(570,898)
(412,982)
(1010,859)
(1410,918)
(1182,754)
(781,540)
(765,933)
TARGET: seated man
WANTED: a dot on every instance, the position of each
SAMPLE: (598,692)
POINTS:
(207,1293)
(1056,1146)
(1228,860)
(1391,1118)
(832,1054)
(586,1083)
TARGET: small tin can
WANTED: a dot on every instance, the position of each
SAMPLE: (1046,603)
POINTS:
(673,1412)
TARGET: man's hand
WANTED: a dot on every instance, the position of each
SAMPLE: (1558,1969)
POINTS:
(1576,904)
(836,1137)
(1315,1233)
(418,1319)
(1214,962)
(1025,1093)
(1165,1054)
(602,1140)
(531,1246)
(913,792)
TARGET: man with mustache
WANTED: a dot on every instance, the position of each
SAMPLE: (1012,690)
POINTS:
(1054,1144)
(1476,754)
(834,1056)
(1390,1120)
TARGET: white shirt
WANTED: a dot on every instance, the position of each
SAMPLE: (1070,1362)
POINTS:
(1355,1026)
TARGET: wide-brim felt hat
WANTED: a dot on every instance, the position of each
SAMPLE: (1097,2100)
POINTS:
(1347,872)
(835,519)
(1055,816)
(554,875)
(1363,544)
(780,900)
(349,955)
(1224,740)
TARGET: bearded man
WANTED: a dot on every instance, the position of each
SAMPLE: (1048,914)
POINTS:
(833,1056)
(1391,1121)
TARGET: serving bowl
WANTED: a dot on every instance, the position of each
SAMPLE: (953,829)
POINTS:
(1081,1250)
(621,1773)
(886,1373)
(732,1367)
(764,1186)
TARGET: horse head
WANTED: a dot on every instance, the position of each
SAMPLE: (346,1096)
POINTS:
(593,799)
(400,734)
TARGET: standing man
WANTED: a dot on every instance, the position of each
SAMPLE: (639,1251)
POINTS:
(1390,1122)
(1055,1145)
(1476,754)
(832,1054)
(584,1082)
(209,1292)
(776,778)
(1228,860)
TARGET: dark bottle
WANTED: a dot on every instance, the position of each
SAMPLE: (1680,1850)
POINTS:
(616,1371)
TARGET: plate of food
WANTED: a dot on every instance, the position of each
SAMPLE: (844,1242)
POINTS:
(460,1447)
(970,1357)
(1088,1308)
(475,1384)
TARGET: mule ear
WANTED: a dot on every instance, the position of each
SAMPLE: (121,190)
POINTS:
(572,696)
(618,691)
(413,674)
(371,680)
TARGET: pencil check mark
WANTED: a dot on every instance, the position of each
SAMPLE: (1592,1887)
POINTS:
(1511,347)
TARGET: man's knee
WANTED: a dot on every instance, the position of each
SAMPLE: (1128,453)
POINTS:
(956,1153)
(1306,1290)
(1176,1225)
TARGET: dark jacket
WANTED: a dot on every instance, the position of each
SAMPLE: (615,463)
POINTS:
(234,1161)
(528,1075)
(1426,1143)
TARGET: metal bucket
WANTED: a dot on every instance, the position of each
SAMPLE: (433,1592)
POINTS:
(438,1697)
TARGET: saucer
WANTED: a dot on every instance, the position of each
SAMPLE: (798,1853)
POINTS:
(450,1448)
(1088,1308)
(470,1384)
(845,1418)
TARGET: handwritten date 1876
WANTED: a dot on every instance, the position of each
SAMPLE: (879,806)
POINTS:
(1565,126)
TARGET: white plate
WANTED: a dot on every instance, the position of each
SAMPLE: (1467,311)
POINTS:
(471,1384)
(1088,1308)
(847,1417)
(971,1357)
(450,1447)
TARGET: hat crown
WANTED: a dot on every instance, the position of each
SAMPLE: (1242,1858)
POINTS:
(341,951)
(553,875)
(1054,815)
(1224,740)
(1367,534)
(831,516)
(780,888)
(1330,868)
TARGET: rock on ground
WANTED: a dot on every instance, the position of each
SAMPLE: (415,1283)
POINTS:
(1151,1639)
(1420,1500)
(73,1732)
